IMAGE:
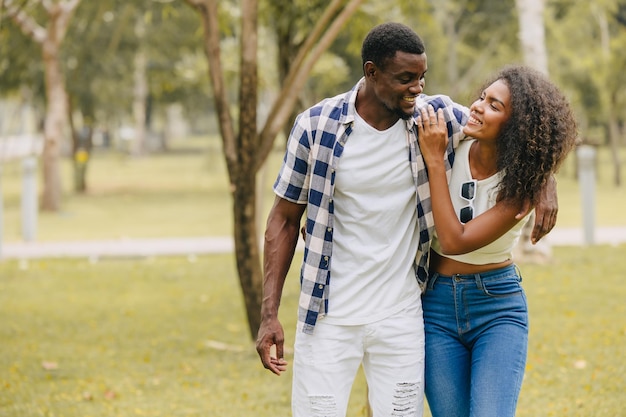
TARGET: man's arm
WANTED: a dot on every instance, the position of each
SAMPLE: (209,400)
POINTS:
(545,211)
(281,237)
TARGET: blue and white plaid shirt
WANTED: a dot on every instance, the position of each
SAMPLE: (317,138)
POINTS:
(307,176)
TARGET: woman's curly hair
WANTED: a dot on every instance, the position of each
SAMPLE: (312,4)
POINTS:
(538,135)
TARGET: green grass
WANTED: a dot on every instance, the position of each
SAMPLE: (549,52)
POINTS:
(185,193)
(182,193)
(167,337)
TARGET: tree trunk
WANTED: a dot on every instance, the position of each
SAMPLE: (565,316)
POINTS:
(140,93)
(54,126)
(244,194)
(533,42)
(611,94)
(247,250)
(614,139)
(82,143)
(246,151)
(532,33)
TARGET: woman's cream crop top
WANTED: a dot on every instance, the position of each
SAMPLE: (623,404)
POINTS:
(499,250)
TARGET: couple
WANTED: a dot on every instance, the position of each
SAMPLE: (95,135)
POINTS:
(385,173)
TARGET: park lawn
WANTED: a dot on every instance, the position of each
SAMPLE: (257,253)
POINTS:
(185,193)
(167,337)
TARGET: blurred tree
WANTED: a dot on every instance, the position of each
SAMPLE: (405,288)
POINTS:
(97,60)
(587,42)
(88,64)
(533,44)
(128,61)
(291,20)
(57,14)
(532,33)
(475,38)
(17,68)
(613,37)
(245,150)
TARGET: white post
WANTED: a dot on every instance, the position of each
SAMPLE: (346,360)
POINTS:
(29,199)
(587,180)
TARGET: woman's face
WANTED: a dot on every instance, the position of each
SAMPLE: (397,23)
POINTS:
(490,112)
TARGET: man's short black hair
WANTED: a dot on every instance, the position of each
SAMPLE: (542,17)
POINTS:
(384,40)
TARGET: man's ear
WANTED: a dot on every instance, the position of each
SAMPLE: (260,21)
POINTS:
(369,69)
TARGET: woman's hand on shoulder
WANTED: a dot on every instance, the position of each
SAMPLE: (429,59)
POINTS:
(432,134)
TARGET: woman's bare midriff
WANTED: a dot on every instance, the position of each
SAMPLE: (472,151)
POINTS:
(447,266)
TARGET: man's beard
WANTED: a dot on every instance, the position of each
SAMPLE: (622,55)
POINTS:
(398,112)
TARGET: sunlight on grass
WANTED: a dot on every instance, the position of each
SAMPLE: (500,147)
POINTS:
(167,337)
(578,331)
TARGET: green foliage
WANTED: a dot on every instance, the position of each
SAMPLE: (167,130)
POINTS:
(20,62)
(99,68)
(586,42)
(167,337)
(466,40)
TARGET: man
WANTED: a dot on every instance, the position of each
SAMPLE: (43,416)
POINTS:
(353,164)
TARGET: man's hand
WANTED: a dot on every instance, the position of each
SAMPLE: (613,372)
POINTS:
(271,336)
(281,238)
(546,211)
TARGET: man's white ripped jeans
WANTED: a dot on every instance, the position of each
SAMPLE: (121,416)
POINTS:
(392,354)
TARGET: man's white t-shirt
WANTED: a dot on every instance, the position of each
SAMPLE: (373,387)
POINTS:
(375,235)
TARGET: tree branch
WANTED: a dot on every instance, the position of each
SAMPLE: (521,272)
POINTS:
(314,35)
(478,63)
(248,86)
(65,10)
(208,12)
(26,23)
(298,74)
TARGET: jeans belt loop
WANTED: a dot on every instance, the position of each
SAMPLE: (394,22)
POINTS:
(518,272)
(479,282)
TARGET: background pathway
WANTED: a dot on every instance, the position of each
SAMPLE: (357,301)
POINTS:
(206,245)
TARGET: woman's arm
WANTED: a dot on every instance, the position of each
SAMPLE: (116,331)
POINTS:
(455,237)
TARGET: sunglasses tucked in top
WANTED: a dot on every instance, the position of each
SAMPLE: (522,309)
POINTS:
(468,192)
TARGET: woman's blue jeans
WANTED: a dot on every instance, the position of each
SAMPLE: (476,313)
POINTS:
(476,330)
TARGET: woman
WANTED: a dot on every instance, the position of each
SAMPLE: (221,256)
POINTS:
(476,321)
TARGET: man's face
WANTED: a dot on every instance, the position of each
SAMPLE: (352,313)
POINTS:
(400,82)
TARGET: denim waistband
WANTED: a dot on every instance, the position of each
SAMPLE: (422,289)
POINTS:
(505,272)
